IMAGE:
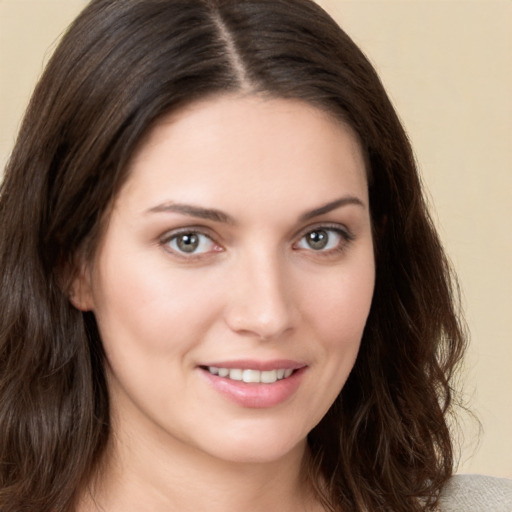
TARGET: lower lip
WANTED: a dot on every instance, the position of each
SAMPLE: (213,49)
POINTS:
(254,395)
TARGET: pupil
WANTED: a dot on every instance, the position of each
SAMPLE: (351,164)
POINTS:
(188,243)
(317,239)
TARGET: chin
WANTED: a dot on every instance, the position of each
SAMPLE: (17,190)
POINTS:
(257,446)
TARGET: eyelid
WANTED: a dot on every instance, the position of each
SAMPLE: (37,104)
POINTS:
(172,233)
(327,226)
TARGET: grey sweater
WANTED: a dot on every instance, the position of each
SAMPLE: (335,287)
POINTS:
(477,493)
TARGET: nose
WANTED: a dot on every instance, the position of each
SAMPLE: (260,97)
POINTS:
(261,298)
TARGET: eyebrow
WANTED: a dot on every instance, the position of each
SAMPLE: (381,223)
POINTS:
(220,216)
(194,211)
(332,205)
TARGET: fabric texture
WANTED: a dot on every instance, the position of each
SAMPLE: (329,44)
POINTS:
(477,493)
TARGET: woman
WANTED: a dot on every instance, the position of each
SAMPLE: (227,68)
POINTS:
(220,284)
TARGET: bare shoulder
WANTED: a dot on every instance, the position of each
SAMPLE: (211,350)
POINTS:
(477,493)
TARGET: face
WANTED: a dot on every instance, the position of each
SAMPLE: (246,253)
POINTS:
(234,278)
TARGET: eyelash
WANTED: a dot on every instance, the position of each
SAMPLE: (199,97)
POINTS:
(174,236)
(346,237)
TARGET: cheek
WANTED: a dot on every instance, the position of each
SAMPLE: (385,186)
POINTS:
(338,305)
(335,311)
(143,306)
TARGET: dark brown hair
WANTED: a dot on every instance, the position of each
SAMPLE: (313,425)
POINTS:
(123,64)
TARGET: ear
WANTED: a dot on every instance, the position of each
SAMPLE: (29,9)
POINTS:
(80,289)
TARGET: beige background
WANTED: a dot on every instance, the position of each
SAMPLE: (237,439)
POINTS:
(447,67)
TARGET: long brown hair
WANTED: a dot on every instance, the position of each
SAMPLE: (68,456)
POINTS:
(385,443)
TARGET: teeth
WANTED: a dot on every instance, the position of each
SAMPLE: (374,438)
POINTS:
(251,376)
(269,377)
(236,374)
(223,372)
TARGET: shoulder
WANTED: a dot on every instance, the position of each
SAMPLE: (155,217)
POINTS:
(476,493)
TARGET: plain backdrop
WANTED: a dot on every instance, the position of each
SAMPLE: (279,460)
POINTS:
(447,68)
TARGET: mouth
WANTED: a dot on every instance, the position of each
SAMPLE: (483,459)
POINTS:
(250,376)
(255,383)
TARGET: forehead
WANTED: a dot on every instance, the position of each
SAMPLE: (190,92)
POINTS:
(247,146)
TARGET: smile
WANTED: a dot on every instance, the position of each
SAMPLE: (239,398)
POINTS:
(251,376)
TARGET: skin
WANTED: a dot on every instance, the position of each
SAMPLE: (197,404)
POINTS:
(254,288)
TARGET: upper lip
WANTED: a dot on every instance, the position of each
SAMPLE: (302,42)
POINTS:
(254,364)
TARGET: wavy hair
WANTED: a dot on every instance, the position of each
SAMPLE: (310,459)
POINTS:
(123,64)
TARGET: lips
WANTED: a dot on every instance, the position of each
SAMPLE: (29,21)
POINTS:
(255,384)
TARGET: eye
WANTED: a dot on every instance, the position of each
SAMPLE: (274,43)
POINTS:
(324,239)
(190,242)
